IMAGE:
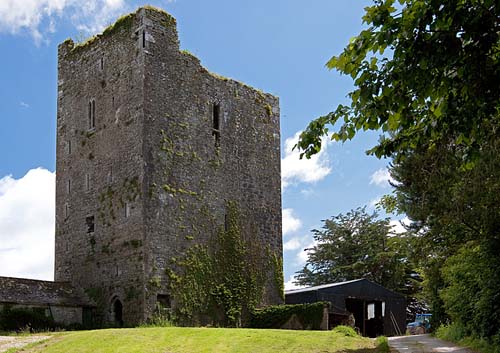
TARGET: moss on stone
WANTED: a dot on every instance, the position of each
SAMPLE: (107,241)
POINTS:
(269,109)
(123,23)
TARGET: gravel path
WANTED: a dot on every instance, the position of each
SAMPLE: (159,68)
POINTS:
(8,342)
(423,344)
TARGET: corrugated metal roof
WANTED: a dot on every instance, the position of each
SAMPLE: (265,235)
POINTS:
(338,284)
(309,289)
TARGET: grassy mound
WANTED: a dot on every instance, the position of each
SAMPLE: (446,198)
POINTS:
(197,340)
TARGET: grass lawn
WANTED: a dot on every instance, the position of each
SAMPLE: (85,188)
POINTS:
(198,340)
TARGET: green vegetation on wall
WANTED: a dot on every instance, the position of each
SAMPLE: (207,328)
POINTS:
(222,282)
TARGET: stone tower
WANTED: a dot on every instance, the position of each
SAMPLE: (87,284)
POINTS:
(150,148)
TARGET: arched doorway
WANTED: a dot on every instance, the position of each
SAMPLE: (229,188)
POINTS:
(118,312)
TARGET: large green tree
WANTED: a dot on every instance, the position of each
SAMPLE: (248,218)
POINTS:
(426,76)
(424,71)
(360,245)
(455,210)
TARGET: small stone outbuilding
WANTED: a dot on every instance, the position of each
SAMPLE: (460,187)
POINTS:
(60,300)
(376,310)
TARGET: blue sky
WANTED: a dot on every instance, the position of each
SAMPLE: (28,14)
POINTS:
(279,46)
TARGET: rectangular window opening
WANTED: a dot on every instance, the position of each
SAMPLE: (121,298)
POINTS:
(102,63)
(66,210)
(216,124)
(68,186)
(90,224)
(163,300)
(144,39)
(371,311)
(69,147)
(127,210)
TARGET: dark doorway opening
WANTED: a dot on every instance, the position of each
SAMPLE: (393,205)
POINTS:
(374,325)
(335,319)
(356,307)
(118,312)
(368,316)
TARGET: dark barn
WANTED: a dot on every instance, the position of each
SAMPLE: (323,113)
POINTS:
(375,309)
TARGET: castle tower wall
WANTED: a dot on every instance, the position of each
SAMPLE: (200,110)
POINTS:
(239,163)
(99,198)
(171,146)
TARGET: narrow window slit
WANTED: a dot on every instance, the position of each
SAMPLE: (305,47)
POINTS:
(90,224)
(216,124)
(144,39)
(92,114)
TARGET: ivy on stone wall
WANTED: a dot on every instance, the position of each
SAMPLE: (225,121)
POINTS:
(221,282)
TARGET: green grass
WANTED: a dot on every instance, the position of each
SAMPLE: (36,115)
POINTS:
(198,340)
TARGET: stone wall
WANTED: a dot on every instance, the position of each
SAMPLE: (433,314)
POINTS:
(59,299)
(152,177)
(103,165)
(192,169)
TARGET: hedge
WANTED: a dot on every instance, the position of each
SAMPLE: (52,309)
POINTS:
(309,315)
(34,319)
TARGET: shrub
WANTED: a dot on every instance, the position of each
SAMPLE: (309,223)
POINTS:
(309,315)
(382,344)
(33,319)
(162,317)
(457,333)
(347,331)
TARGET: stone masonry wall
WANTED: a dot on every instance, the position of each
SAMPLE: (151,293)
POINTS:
(153,172)
(192,175)
(100,169)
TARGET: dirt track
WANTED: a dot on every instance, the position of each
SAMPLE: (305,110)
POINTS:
(423,344)
(8,342)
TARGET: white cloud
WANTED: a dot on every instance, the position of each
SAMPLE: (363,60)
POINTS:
(27,225)
(295,170)
(290,285)
(381,178)
(290,222)
(40,17)
(303,255)
(398,226)
(24,105)
(292,244)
